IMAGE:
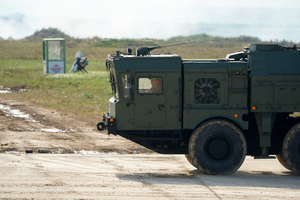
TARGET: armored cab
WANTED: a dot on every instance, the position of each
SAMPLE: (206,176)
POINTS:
(137,104)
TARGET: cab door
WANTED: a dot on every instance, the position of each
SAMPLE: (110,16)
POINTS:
(150,105)
(157,101)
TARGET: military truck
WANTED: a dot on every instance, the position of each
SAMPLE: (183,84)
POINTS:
(214,111)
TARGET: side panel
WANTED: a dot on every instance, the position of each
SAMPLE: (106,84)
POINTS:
(238,85)
(275,81)
(173,100)
(215,90)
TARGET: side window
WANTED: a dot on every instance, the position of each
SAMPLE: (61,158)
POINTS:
(151,85)
(127,86)
(110,68)
(113,82)
(207,91)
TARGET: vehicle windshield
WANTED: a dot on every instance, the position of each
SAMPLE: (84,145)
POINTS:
(112,80)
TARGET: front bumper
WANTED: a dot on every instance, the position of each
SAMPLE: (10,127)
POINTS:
(109,123)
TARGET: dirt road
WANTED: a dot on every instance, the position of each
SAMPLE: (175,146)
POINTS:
(137,176)
(85,164)
(26,126)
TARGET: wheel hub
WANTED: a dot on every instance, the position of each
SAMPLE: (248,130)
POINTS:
(217,148)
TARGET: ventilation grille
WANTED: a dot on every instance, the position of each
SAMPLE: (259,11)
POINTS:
(207,91)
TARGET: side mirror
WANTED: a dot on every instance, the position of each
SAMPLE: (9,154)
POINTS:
(131,80)
(131,93)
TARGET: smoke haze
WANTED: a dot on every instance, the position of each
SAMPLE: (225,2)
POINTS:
(267,19)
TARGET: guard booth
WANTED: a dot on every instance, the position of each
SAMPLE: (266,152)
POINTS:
(54,56)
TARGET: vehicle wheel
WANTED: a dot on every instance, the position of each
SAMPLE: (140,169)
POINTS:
(291,149)
(280,158)
(189,159)
(100,126)
(217,147)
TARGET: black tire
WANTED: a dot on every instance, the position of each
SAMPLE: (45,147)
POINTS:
(217,147)
(100,126)
(291,149)
(29,151)
(280,158)
(43,151)
(187,156)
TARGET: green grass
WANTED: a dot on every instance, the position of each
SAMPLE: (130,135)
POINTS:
(76,94)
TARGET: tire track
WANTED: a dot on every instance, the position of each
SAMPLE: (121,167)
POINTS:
(198,177)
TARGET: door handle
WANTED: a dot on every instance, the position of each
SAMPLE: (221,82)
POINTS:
(160,107)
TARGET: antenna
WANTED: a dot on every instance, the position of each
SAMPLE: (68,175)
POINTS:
(143,51)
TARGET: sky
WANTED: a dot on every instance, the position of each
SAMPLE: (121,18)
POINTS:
(159,19)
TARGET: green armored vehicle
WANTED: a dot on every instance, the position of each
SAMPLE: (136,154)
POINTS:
(214,111)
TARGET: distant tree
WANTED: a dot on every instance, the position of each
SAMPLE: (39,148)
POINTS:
(48,33)
(206,37)
(245,38)
(199,37)
(10,38)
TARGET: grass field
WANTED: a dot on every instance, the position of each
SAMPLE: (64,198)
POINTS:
(78,94)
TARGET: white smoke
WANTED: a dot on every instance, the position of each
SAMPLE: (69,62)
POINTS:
(152,19)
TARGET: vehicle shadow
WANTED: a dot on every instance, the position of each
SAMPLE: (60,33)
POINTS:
(265,179)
